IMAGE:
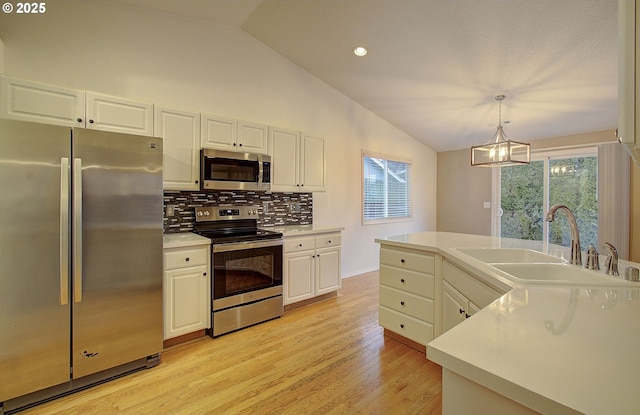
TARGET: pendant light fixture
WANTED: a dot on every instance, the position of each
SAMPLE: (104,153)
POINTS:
(500,151)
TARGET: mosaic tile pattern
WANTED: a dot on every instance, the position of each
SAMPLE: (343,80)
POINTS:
(275,209)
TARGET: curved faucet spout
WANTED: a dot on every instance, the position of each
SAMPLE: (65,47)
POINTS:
(576,254)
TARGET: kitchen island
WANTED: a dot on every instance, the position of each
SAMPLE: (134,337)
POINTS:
(539,348)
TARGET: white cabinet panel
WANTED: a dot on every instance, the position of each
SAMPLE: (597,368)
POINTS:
(298,274)
(229,134)
(298,161)
(180,131)
(313,165)
(328,270)
(36,102)
(108,113)
(252,137)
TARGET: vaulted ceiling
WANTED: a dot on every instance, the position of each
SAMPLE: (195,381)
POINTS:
(434,67)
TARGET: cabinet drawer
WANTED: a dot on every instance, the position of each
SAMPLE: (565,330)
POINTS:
(326,241)
(476,291)
(178,258)
(298,244)
(408,259)
(410,281)
(418,307)
(406,326)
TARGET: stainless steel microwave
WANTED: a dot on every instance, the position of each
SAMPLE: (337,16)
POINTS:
(227,170)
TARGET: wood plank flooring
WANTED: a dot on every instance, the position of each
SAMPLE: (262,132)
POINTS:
(325,358)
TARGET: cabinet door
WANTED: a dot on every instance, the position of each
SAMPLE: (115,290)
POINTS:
(180,131)
(186,301)
(312,164)
(252,137)
(284,145)
(328,277)
(219,132)
(119,115)
(454,307)
(298,276)
(32,101)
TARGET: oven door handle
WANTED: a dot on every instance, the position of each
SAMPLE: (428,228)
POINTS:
(238,246)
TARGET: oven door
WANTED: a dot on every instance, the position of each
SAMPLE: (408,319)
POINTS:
(245,272)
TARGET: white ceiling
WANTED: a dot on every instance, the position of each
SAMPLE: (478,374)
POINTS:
(435,66)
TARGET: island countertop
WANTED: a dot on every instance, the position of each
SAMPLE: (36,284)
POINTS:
(554,349)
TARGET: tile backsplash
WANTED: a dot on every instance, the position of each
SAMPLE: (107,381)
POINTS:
(275,209)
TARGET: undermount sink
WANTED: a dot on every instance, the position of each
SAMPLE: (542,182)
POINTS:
(509,255)
(560,274)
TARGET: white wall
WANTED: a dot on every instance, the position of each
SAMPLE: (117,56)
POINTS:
(218,69)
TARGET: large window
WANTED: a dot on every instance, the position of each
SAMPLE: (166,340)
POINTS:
(527,192)
(386,192)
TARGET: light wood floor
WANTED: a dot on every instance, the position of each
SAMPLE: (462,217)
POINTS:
(325,358)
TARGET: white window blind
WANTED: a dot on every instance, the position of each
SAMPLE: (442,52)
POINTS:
(386,188)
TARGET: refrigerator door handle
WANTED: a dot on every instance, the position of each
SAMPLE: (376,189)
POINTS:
(77,229)
(64,231)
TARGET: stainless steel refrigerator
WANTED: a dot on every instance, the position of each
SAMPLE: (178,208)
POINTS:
(80,258)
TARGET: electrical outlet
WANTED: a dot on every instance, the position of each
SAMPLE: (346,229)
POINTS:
(171,210)
(294,207)
(265,207)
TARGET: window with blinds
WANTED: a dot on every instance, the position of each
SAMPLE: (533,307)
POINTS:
(386,189)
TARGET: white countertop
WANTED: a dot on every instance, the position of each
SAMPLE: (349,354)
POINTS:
(178,240)
(300,230)
(555,349)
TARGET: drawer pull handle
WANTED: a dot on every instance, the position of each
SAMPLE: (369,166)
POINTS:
(187,259)
(300,245)
(401,326)
(467,315)
(402,280)
(402,260)
(402,303)
(461,311)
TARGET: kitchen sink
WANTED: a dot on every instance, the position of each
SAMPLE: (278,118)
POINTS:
(509,255)
(560,274)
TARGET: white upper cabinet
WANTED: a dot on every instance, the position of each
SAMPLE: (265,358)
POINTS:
(32,101)
(628,77)
(49,104)
(180,131)
(119,115)
(297,161)
(229,134)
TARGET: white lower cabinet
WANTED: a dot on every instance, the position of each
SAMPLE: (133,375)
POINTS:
(463,295)
(186,290)
(311,266)
(407,292)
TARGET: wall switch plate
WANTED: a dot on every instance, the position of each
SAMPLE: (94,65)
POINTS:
(171,210)
(487,205)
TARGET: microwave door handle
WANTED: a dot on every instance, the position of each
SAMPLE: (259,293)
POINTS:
(260,170)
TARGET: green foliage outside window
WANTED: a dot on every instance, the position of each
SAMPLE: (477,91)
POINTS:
(572,182)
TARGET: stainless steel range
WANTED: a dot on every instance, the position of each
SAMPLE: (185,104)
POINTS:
(246,267)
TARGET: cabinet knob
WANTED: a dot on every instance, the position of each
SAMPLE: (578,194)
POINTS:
(402,260)
(240,145)
(401,326)
(402,280)
(302,185)
(402,303)
(461,311)
(466,315)
(79,119)
(300,245)
(204,274)
(187,259)
(329,241)
(90,121)
(196,182)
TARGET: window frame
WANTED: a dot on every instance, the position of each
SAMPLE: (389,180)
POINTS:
(409,187)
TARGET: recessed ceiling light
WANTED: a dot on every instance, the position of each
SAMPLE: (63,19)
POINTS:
(360,51)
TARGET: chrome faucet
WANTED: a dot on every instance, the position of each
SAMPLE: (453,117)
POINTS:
(611,264)
(576,254)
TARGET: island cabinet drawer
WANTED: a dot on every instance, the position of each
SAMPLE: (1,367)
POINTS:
(410,281)
(406,326)
(418,307)
(408,259)
(185,257)
(299,244)
(329,240)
